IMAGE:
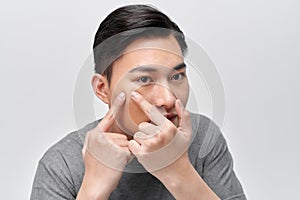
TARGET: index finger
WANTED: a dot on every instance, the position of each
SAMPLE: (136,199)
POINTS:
(109,119)
(150,110)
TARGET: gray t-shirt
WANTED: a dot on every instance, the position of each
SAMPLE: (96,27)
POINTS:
(60,171)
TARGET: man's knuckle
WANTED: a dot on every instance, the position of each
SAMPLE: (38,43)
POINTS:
(160,138)
(169,127)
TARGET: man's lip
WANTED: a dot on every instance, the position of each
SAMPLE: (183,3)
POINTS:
(170,116)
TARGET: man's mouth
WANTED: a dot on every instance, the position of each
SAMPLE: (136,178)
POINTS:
(171,117)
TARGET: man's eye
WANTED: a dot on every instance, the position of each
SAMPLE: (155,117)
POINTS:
(145,79)
(178,76)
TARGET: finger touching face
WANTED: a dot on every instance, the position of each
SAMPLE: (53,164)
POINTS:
(157,74)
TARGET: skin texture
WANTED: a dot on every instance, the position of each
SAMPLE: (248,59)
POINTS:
(138,124)
(159,53)
(161,87)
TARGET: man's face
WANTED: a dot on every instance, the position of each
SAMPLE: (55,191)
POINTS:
(154,68)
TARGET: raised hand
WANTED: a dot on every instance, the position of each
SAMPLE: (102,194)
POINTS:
(160,144)
(105,155)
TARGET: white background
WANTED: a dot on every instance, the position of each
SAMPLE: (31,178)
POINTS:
(255,46)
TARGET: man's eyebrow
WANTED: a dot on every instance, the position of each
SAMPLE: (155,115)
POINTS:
(180,66)
(152,69)
(143,69)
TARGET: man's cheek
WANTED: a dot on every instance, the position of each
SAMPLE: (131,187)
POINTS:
(181,92)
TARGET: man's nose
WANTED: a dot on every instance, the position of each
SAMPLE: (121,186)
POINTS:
(163,97)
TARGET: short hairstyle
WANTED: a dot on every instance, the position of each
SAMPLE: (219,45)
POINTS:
(127,24)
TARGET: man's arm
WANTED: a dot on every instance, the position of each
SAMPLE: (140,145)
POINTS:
(105,155)
(184,182)
(54,179)
(217,175)
(158,147)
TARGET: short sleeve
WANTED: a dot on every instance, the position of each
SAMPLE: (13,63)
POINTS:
(52,179)
(218,172)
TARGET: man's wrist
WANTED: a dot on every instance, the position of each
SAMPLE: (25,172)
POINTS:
(183,181)
(173,175)
(87,193)
(92,189)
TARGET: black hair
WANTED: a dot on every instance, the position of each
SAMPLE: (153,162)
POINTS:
(126,24)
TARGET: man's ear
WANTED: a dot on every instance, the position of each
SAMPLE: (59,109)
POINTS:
(101,87)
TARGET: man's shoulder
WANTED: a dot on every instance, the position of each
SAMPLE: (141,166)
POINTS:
(62,166)
(203,126)
(69,147)
(206,135)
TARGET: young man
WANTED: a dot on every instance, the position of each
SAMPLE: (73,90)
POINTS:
(148,145)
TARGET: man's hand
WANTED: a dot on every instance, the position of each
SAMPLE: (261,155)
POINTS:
(162,149)
(160,144)
(105,155)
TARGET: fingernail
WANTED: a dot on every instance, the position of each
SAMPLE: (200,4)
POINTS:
(121,96)
(134,94)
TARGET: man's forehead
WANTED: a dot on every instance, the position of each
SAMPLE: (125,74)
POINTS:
(148,60)
(164,44)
